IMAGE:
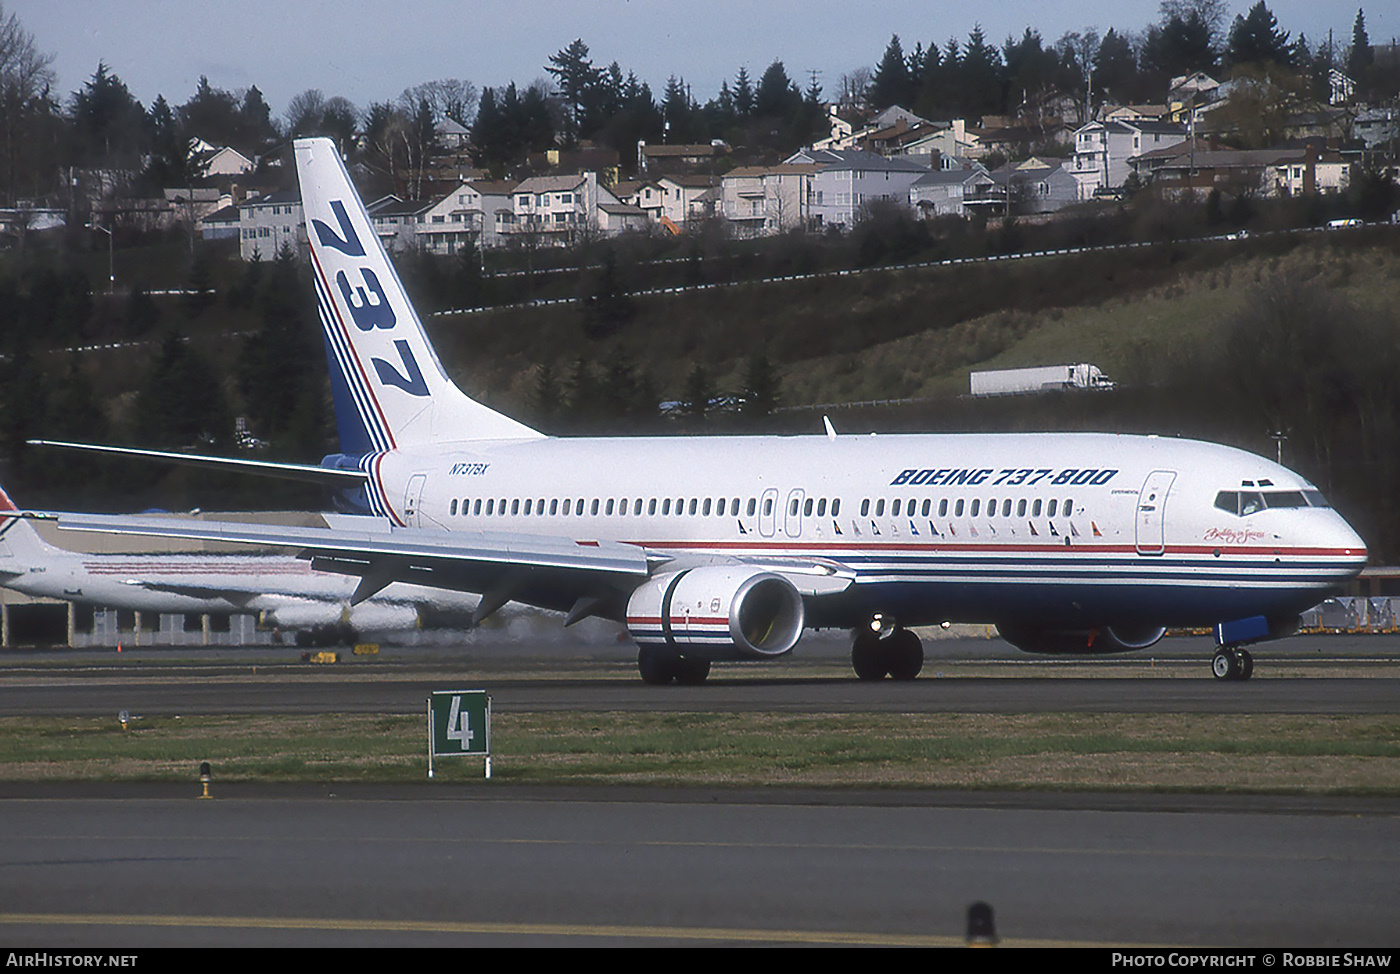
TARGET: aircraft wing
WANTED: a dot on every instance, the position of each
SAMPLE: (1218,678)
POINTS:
(547,571)
(240,597)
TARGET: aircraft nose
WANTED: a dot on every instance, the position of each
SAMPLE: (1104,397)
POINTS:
(1350,546)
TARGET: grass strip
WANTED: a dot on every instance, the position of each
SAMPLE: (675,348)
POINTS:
(1307,754)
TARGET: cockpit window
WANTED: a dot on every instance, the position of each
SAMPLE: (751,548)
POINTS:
(1243,503)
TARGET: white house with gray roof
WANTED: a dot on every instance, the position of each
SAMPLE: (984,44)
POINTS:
(954,192)
(555,210)
(1102,150)
(848,181)
(268,223)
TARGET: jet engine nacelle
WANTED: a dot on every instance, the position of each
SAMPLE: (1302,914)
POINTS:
(717,613)
(1080,642)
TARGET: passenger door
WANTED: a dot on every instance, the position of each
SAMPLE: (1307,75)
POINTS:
(1151,528)
(413,499)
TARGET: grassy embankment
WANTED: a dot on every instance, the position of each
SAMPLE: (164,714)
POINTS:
(916,333)
(1286,754)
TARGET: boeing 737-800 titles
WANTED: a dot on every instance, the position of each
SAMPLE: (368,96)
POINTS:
(725,548)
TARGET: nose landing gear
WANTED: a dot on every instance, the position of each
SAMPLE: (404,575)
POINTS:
(1232,663)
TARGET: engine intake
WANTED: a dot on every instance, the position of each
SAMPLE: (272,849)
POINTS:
(718,613)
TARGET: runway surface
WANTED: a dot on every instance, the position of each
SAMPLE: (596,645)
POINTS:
(1352,675)
(128,866)
(459,868)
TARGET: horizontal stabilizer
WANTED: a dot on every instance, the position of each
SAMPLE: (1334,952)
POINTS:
(305,472)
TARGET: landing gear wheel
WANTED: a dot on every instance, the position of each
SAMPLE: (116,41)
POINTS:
(692,672)
(868,657)
(904,653)
(657,667)
(1232,664)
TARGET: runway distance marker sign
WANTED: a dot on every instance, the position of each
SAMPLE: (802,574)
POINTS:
(459,725)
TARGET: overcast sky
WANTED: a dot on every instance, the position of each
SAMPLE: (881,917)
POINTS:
(370,52)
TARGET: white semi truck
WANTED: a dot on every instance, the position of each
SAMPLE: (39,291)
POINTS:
(1008,382)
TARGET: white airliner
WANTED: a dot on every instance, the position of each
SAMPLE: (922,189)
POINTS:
(725,548)
(285,591)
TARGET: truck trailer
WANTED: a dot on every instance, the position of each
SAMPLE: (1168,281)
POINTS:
(1010,382)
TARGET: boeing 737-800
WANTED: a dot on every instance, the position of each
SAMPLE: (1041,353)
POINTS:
(725,548)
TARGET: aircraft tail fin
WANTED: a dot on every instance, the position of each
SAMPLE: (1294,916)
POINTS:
(389,386)
(20,544)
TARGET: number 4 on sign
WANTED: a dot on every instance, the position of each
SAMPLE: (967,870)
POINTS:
(459,724)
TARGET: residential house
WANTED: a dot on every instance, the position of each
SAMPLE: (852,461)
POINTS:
(742,201)
(761,200)
(1265,172)
(616,218)
(189,205)
(268,223)
(1020,141)
(873,134)
(847,181)
(555,210)
(396,222)
(1037,185)
(687,199)
(221,224)
(1341,88)
(464,217)
(655,159)
(956,192)
(1102,150)
(452,134)
(226,161)
(1135,113)
(1188,92)
(1376,127)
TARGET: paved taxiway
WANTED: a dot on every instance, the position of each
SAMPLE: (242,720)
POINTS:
(489,863)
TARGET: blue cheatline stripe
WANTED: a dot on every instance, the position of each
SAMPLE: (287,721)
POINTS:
(374,491)
(345,365)
(342,364)
(371,422)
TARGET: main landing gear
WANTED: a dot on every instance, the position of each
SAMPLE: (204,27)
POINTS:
(662,668)
(1232,663)
(880,652)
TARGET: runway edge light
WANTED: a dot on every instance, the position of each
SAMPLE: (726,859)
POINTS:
(981,926)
